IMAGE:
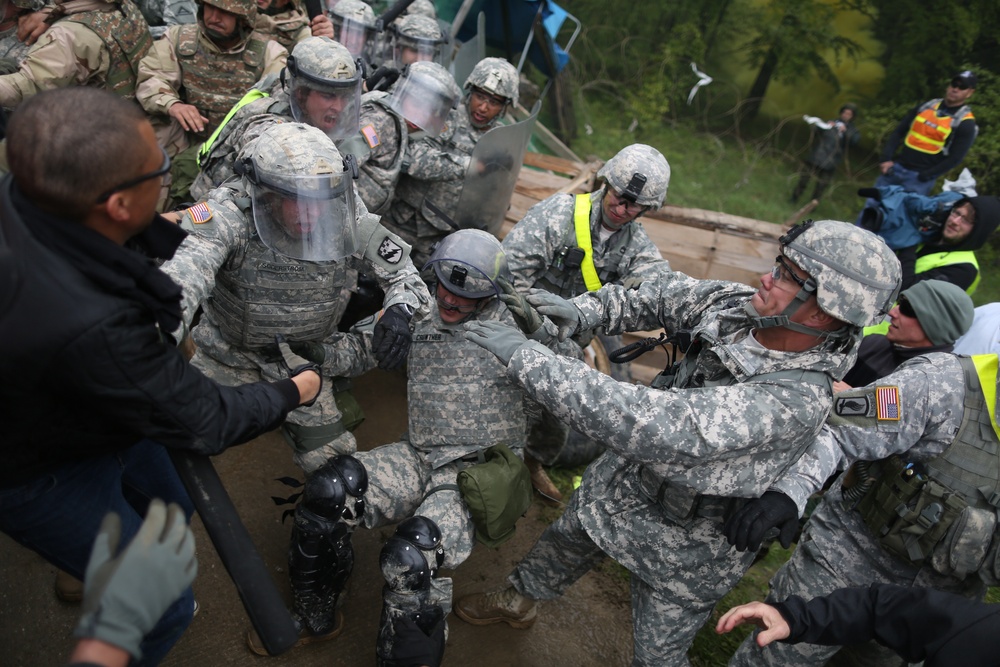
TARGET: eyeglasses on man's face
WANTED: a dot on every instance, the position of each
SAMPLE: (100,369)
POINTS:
(615,199)
(132,182)
(958,84)
(783,272)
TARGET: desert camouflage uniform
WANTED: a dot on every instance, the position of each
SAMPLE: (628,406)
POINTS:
(231,336)
(720,437)
(460,402)
(432,177)
(287,28)
(91,48)
(223,77)
(535,248)
(386,137)
(837,549)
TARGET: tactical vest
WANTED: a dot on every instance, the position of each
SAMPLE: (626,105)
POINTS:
(911,512)
(476,393)
(939,259)
(215,81)
(126,36)
(682,504)
(931,133)
(566,279)
(261,293)
(376,184)
(282,27)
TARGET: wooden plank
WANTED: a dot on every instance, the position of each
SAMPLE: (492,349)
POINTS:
(553,163)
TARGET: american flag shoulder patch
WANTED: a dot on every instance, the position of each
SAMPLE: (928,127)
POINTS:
(887,403)
(200,213)
(370,135)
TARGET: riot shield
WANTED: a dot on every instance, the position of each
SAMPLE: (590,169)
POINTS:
(469,54)
(489,182)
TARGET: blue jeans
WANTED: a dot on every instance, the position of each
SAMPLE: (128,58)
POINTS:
(904,178)
(58,515)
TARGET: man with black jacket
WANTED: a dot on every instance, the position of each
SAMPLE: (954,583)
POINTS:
(93,388)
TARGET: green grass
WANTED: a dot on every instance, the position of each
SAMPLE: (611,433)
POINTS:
(744,175)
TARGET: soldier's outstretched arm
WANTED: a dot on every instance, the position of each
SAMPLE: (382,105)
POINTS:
(67,54)
(160,78)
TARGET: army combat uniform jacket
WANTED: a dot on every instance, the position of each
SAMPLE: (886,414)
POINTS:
(287,28)
(679,459)
(914,413)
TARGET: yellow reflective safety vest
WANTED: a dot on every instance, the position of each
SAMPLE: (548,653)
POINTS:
(251,95)
(581,222)
(939,259)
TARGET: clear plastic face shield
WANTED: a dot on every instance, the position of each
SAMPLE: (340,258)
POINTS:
(423,101)
(354,35)
(333,106)
(312,219)
(408,50)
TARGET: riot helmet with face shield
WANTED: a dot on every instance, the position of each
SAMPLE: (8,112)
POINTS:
(416,38)
(424,96)
(302,193)
(324,87)
(354,26)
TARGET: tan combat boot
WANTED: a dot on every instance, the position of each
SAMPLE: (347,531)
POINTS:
(68,588)
(541,481)
(255,644)
(505,605)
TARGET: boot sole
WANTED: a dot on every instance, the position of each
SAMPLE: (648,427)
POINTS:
(256,646)
(512,622)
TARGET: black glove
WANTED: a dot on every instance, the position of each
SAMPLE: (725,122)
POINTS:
(413,647)
(870,193)
(746,528)
(297,364)
(392,336)
(382,78)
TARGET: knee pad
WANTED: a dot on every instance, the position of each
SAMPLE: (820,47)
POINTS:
(320,556)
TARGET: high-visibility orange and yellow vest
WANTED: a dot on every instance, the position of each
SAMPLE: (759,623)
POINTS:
(930,132)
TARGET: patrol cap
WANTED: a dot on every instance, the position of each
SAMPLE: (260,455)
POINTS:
(964,79)
(943,310)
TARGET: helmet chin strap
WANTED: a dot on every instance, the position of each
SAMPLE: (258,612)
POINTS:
(784,318)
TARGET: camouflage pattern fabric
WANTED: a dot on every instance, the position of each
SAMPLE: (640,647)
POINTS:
(160,14)
(837,549)
(433,171)
(242,129)
(209,78)
(11,47)
(400,475)
(535,246)
(716,441)
(73,54)
(213,256)
(287,28)
(386,136)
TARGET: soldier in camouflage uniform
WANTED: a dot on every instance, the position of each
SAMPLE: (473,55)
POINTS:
(320,86)
(354,27)
(90,44)
(193,75)
(568,245)
(928,420)
(430,186)
(257,276)
(415,38)
(416,107)
(751,393)
(460,403)
(286,22)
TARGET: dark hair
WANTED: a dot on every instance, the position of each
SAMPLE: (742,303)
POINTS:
(67,146)
(853,108)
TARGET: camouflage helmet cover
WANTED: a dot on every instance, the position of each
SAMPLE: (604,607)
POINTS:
(469,262)
(247,9)
(322,59)
(422,8)
(354,10)
(495,76)
(416,26)
(639,173)
(286,153)
(857,276)
(33,5)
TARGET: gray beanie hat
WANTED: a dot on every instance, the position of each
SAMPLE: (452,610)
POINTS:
(943,309)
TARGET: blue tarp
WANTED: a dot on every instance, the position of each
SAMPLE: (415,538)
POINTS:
(508,27)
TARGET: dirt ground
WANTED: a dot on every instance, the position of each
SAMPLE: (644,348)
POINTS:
(591,625)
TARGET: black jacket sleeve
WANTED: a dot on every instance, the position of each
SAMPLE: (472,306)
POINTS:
(918,623)
(122,371)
